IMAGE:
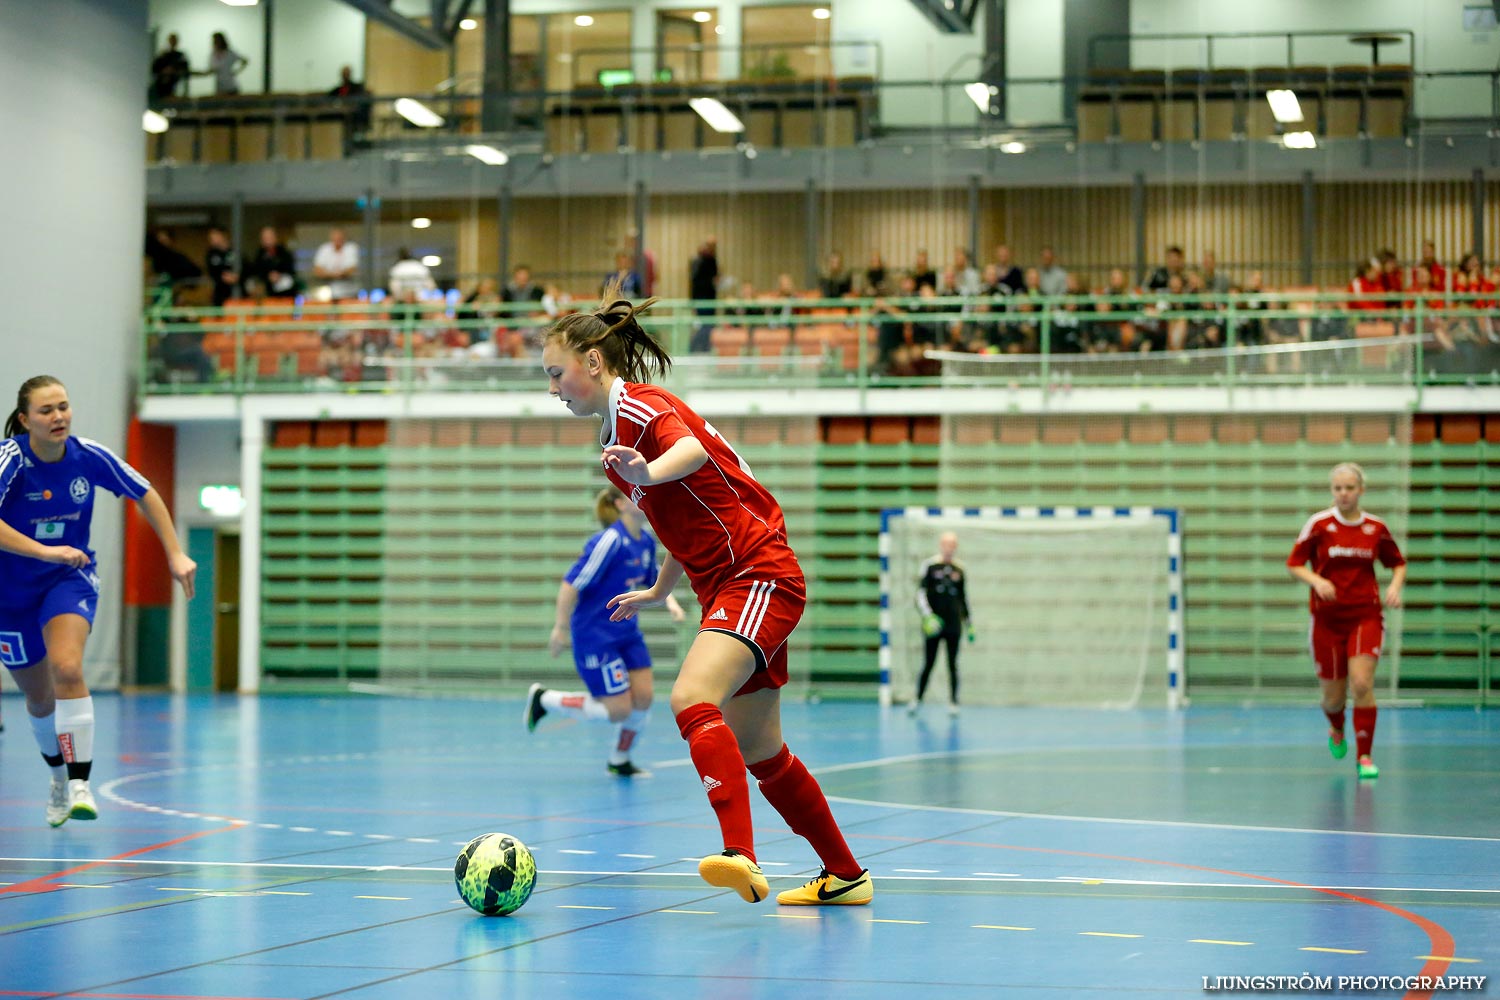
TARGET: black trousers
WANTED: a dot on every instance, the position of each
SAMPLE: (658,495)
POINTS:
(948,638)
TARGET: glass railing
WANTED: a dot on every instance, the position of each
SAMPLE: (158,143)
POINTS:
(1134,340)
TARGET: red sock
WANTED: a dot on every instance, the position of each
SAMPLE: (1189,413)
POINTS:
(788,785)
(1336,719)
(716,755)
(1364,730)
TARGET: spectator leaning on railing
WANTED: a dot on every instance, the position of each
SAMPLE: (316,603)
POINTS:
(169,70)
(337,263)
(273,269)
(223,266)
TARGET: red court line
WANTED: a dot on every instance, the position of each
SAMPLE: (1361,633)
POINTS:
(43,883)
(1440,941)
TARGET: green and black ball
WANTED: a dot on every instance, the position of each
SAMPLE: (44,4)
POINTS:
(495,874)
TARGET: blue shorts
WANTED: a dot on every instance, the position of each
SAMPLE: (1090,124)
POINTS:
(73,592)
(605,669)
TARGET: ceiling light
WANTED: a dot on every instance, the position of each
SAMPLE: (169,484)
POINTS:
(489,154)
(979,93)
(468,24)
(822,13)
(432,260)
(1299,140)
(583,20)
(155,122)
(1013,147)
(718,29)
(417,113)
(239,3)
(421,222)
(1284,105)
(702,16)
(719,118)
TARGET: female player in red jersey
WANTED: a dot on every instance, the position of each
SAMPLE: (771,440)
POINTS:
(727,533)
(1335,556)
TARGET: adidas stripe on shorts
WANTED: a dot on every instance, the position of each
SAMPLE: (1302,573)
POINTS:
(763,613)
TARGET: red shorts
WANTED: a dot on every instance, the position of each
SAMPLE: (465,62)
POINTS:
(763,614)
(1336,641)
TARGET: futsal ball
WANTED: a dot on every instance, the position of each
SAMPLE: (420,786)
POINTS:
(495,874)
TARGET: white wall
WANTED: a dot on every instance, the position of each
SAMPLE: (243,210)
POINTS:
(195,21)
(208,453)
(72,90)
(311,40)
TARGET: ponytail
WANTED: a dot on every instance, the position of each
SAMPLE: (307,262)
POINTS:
(625,346)
(14,426)
(604,505)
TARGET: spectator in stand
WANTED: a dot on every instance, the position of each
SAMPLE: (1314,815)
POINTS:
(1251,331)
(224,65)
(168,71)
(876,278)
(1054,280)
(337,263)
(1469,279)
(892,326)
(222,265)
(1367,290)
(625,275)
(1203,331)
(1214,283)
(1116,296)
(786,296)
(273,269)
(480,314)
(170,265)
(525,337)
(180,349)
(703,287)
(1010,276)
(1069,331)
(1390,273)
(922,271)
(1162,275)
(835,281)
(1021,334)
(643,261)
(410,279)
(965,279)
(353,92)
(1436,273)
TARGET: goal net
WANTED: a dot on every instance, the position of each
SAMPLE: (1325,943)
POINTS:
(1069,606)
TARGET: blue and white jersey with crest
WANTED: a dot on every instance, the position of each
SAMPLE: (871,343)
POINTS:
(53,502)
(611,564)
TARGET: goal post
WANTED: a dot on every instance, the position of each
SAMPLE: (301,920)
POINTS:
(1071,605)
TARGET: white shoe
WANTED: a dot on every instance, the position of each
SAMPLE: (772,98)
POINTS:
(81,800)
(953,709)
(57,803)
(911,708)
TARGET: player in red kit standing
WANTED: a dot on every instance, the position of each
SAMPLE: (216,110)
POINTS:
(727,533)
(1335,556)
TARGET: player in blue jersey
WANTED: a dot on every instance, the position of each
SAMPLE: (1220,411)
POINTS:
(49,581)
(611,656)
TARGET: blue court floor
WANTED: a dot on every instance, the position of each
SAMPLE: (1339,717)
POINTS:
(297,847)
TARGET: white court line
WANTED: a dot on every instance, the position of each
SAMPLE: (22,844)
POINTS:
(1058,880)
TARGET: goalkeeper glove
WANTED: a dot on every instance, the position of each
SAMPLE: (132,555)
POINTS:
(971,632)
(932,625)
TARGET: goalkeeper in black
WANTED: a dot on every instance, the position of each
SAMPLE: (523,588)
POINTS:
(945,616)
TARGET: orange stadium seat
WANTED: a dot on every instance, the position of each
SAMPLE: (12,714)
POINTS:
(729,341)
(890,430)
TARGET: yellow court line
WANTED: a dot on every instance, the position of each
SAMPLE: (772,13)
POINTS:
(566,906)
(1108,934)
(702,913)
(383,897)
(1443,958)
(1001,927)
(879,920)
(1241,944)
(792,916)
(1333,951)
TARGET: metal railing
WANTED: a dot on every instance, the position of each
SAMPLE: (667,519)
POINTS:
(1135,340)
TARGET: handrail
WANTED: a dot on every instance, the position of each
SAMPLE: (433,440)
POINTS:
(284,346)
(1210,36)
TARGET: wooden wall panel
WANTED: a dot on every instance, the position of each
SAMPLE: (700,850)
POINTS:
(1089,229)
(896,224)
(1358,220)
(1246,226)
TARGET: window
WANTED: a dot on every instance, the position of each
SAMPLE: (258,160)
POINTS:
(786,41)
(687,44)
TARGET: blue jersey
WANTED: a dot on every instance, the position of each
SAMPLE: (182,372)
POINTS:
(611,564)
(53,502)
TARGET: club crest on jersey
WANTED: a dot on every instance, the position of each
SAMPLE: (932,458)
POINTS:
(12,649)
(1368,529)
(79,489)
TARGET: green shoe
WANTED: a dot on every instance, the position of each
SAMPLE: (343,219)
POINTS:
(1367,768)
(1337,745)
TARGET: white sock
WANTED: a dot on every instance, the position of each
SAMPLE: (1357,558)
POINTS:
(628,734)
(45,731)
(75,729)
(576,704)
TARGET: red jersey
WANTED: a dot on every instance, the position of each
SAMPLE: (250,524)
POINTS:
(718,522)
(1344,553)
